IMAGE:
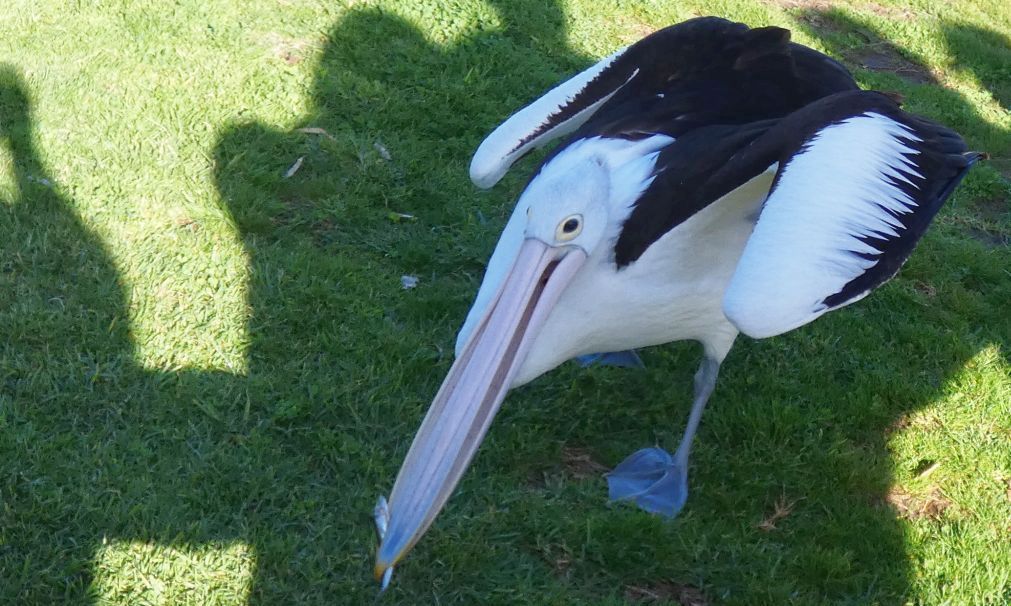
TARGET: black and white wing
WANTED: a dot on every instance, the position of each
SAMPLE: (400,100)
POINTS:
(859,181)
(699,72)
(560,111)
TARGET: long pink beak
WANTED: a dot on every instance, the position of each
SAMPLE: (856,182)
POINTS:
(472,393)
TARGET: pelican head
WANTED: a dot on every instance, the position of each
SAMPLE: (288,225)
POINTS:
(564,211)
(560,221)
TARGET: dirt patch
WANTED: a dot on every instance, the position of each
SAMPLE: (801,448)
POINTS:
(187,223)
(922,422)
(806,4)
(780,510)
(927,290)
(1004,482)
(632,30)
(930,505)
(874,55)
(580,464)
(325,232)
(882,57)
(559,557)
(818,19)
(576,463)
(291,51)
(903,421)
(988,238)
(1003,166)
(892,12)
(666,592)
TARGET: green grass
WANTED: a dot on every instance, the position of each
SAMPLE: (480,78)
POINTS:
(208,372)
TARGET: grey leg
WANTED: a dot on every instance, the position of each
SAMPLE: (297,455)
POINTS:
(705,382)
(652,478)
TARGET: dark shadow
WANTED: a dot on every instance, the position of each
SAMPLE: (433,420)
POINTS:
(194,458)
(984,52)
(62,306)
(987,55)
(859,43)
(113,452)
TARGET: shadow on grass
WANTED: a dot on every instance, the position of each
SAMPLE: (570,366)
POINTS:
(861,44)
(289,458)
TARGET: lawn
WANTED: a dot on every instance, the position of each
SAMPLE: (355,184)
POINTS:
(210,369)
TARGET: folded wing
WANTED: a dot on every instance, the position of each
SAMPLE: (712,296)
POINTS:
(859,181)
(560,111)
(700,72)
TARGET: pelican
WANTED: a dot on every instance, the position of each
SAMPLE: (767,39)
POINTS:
(714,179)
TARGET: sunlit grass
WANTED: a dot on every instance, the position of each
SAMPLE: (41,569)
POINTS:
(129,572)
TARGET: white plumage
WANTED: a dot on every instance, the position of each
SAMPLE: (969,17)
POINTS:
(830,194)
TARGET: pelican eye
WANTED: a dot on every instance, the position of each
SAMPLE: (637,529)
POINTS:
(569,228)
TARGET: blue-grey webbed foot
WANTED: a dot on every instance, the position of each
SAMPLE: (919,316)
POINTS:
(653,479)
(622,359)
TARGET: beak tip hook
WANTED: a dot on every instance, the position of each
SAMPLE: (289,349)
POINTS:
(381,515)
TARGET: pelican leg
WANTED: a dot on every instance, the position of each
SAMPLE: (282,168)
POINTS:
(656,481)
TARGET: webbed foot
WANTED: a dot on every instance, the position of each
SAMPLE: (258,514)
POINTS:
(653,479)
